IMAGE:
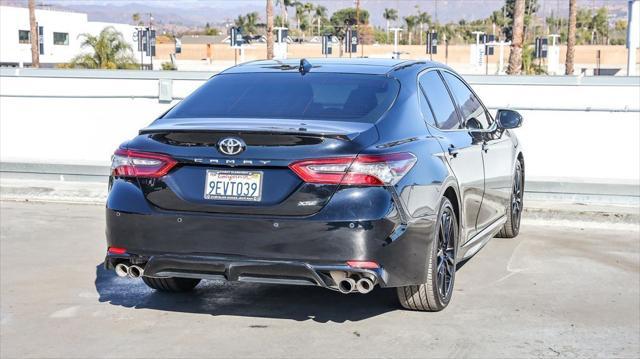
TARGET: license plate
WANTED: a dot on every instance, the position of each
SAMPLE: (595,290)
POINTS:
(233,185)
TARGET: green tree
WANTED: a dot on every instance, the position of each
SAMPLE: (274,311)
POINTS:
(619,35)
(339,18)
(411,22)
(600,25)
(390,15)
(248,22)
(208,30)
(592,28)
(136,19)
(320,16)
(557,25)
(530,8)
(529,65)
(620,25)
(423,19)
(299,7)
(110,51)
(284,11)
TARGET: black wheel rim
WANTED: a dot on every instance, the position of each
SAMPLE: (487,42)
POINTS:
(445,268)
(516,199)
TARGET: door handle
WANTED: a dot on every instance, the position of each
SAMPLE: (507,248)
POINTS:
(453,152)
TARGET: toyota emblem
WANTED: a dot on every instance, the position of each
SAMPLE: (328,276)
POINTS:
(231,146)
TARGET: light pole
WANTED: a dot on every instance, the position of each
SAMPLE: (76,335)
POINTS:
(396,54)
(633,36)
(149,44)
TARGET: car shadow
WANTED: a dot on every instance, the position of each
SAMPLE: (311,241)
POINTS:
(215,298)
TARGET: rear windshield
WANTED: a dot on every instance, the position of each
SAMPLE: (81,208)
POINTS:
(319,96)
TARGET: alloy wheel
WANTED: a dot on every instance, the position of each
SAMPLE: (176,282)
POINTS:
(445,268)
(516,199)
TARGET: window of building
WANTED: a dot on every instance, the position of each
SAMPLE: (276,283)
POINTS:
(61,38)
(24,36)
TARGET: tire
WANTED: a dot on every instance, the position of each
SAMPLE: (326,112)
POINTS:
(171,284)
(432,296)
(514,211)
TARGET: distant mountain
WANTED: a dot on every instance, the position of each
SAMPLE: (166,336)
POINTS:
(187,14)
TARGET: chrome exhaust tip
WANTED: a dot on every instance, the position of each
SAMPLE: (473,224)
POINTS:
(364,285)
(135,271)
(122,270)
(346,285)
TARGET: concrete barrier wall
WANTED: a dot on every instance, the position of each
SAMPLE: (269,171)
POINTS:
(580,128)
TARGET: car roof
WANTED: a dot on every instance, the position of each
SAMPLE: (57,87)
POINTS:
(338,65)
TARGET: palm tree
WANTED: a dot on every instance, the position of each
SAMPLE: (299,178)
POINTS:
(240,21)
(389,15)
(571,39)
(248,22)
(252,22)
(300,10)
(307,9)
(110,51)
(411,24)
(284,4)
(515,57)
(423,18)
(269,29)
(321,13)
(35,52)
(136,19)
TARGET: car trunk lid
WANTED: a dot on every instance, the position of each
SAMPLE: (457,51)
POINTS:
(271,145)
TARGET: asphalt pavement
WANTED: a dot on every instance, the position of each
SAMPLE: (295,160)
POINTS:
(555,291)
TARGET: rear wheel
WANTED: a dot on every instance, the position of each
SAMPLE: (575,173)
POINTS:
(171,284)
(514,212)
(435,294)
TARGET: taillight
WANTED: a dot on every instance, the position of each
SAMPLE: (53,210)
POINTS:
(363,264)
(363,170)
(117,250)
(127,163)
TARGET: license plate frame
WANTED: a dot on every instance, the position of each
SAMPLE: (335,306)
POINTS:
(215,174)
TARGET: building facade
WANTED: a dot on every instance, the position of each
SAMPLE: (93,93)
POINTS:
(59,35)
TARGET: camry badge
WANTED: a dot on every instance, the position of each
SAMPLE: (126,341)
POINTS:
(231,146)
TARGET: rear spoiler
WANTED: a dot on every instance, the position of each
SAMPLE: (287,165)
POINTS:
(332,129)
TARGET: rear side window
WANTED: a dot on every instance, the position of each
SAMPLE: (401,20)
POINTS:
(440,101)
(319,96)
(469,104)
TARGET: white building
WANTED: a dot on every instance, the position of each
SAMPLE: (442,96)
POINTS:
(60,33)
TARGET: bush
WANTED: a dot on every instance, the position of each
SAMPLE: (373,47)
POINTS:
(169,66)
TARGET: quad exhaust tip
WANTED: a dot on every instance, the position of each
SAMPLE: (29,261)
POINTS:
(134,271)
(346,285)
(364,285)
(122,270)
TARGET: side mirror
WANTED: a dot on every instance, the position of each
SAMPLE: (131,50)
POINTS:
(508,119)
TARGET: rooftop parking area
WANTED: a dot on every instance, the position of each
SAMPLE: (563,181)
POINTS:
(553,291)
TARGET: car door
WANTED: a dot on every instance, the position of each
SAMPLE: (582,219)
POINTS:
(497,152)
(464,153)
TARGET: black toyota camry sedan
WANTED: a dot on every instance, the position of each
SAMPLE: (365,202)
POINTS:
(344,174)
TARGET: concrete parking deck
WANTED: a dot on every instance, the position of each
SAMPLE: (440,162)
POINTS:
(552,292)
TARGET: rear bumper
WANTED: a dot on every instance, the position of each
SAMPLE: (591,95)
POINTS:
(273,249)
(240,269)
